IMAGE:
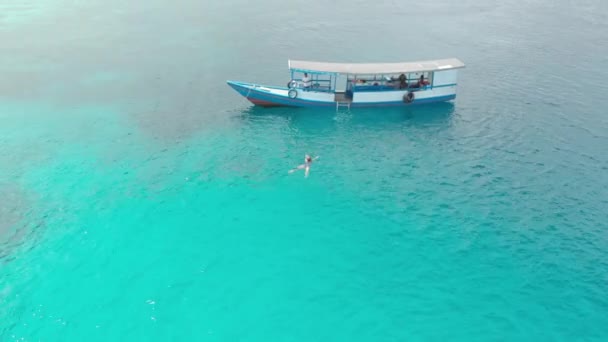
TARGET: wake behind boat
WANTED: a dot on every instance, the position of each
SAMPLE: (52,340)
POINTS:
(320,84)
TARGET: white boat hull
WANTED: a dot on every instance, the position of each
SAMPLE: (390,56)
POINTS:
(268,96)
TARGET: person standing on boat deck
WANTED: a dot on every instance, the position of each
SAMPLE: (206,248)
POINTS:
(306,81)
(402,81)
(306,166)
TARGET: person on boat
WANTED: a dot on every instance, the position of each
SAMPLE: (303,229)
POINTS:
(422,82)
(402,81)
(306,81)
(306,166)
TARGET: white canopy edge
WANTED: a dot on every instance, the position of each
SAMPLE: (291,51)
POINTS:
(374,68)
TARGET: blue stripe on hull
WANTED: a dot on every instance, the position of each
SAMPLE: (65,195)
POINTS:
(401,103)
(251,93)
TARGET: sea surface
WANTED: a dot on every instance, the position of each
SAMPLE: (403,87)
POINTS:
(142,199)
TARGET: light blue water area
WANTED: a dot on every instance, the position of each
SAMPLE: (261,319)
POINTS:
(143,199)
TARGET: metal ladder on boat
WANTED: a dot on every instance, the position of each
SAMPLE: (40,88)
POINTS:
(342,104)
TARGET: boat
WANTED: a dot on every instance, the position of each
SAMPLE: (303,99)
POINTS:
(323,84)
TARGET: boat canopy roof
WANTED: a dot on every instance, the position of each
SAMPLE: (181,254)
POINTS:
(374,68)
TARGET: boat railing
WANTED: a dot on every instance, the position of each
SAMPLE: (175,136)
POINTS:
(315,85)
(387,87)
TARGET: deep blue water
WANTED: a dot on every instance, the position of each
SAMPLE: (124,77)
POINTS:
(143,199)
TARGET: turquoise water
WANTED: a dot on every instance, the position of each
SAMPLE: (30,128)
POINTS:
(143,199)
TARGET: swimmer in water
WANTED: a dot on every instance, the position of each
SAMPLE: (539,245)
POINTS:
(306,166)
